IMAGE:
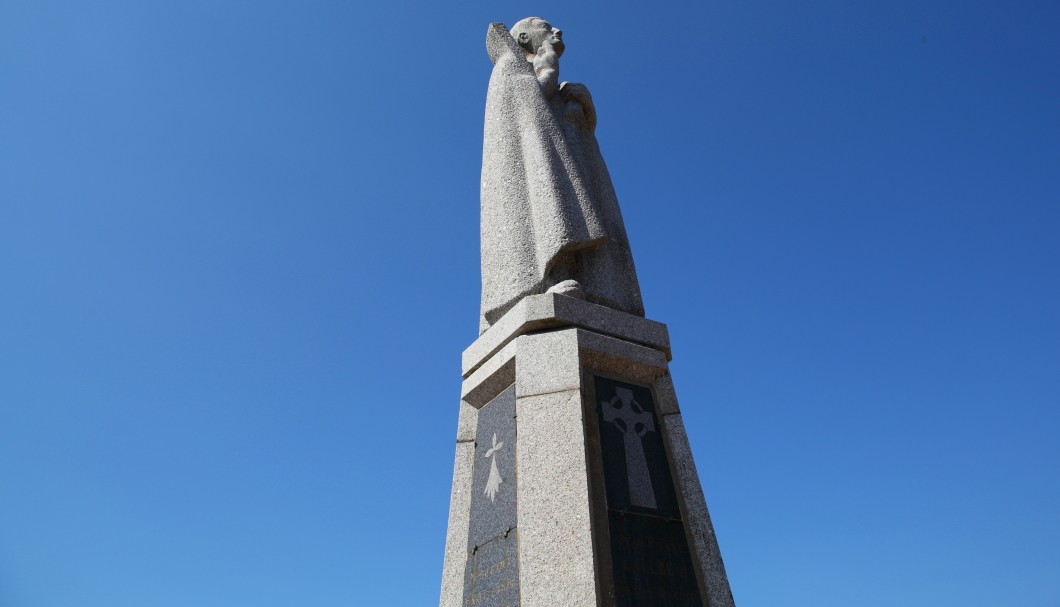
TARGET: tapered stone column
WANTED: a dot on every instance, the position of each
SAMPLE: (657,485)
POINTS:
(573,483)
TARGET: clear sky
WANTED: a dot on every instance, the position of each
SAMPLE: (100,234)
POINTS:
(239,263)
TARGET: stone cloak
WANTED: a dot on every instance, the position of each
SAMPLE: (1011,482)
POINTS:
(546,193)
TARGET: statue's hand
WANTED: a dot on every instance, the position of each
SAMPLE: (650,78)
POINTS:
(579,93)
(551,49)
(575,91)
(553,46)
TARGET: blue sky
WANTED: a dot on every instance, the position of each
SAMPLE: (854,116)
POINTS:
(239,258)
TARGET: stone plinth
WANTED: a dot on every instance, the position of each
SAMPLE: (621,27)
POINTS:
(574,483)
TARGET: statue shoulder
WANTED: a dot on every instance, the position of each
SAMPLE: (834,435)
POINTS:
(499,43)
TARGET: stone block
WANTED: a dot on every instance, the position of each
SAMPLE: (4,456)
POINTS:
(456,535)
(619,357)
(491,378)
(665,396)
(601,319)
(556,561)
(554,311)
(544,553)
(493,484)
(466,423)
(492,570)
(705,543)
(547,362)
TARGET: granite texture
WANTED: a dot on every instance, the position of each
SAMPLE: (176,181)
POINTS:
(455,561)
(492,577)
(547,362)
(701,529)
(543,348)
(466,423)
(489,379)
(556,560)
(546,367)
(619,357)
(492,572)
(553,311)
(665,396)
(612,322)
(560,301)
(493,485)
(549,213)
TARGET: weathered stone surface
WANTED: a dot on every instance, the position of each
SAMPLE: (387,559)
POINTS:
(467,423)
(497,373)
(548,362)
(665,396)
(552,311)
(615,323)
(457,532)
(492,578)
(556,560)
(492,571)
(620,357)
(493,512)
(702,530)
(549,210)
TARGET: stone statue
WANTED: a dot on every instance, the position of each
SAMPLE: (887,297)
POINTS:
(550,217)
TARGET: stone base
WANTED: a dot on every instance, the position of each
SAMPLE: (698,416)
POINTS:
(574,483)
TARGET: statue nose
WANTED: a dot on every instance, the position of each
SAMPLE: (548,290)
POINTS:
(557,33)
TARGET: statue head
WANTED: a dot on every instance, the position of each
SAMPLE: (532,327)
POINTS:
(533,32)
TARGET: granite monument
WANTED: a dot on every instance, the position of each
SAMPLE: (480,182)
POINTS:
(573,482)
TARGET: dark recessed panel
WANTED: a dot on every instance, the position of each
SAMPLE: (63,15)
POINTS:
(650,559)
(493,478)
(651,562)
(636,472)
(492,575)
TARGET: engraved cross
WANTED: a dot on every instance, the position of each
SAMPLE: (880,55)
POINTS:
(634,422)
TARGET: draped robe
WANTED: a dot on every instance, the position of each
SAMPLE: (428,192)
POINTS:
(546,194)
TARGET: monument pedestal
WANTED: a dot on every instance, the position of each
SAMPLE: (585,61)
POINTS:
(574,484)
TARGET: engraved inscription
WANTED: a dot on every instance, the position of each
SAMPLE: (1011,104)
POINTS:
(651,562)
(492,578)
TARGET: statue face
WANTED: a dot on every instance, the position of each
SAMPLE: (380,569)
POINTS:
(532,33)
